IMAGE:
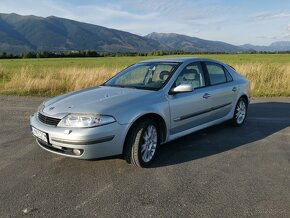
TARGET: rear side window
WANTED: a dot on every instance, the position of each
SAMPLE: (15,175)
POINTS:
(228,75)
(216,73)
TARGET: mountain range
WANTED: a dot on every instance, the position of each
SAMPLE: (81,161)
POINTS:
(275,46)
(32,33)
(192,44)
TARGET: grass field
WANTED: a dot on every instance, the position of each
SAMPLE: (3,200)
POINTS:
(269,74)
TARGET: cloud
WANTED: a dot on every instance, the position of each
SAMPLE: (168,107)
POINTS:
(94,14)
(268,37)
(31,7)
(181,11)
(270,15)
(286,36)
(162,6)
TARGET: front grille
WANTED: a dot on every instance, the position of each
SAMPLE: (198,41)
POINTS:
(48,120)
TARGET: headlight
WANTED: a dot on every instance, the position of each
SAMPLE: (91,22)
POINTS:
(85,120)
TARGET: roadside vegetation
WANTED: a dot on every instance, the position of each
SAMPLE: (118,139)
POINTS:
(269,74)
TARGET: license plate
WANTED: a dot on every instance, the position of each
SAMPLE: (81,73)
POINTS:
(39,134)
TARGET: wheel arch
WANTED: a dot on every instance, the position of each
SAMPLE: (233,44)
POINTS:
(244,96)
(159,121)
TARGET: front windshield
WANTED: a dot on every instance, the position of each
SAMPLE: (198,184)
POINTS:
(147,75)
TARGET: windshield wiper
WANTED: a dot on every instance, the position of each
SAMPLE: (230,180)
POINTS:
(129,87)
(122,86)
(132,87)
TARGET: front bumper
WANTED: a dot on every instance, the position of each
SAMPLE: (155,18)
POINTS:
(97,142)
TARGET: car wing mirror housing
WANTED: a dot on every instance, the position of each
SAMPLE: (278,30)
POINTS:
(181,89)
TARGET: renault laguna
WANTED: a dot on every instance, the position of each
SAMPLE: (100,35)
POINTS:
(145,105)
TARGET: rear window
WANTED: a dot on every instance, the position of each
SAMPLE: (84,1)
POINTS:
(216,73)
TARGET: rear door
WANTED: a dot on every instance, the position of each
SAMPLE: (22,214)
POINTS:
(223,91)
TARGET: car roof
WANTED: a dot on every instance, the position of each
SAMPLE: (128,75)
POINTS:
(180,60)
(171,59)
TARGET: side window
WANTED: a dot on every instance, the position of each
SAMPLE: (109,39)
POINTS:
(228,75)
(192,74)
(216,73)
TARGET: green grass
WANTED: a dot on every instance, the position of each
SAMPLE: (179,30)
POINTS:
(267,73)
(119,62)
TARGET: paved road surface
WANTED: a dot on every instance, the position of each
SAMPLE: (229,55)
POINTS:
(221,171)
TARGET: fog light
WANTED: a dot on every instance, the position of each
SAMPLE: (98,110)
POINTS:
(77,152)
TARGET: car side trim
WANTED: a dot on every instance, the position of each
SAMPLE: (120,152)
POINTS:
(200,112)
(89,142)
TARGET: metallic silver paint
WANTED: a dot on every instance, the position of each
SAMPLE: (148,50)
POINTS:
(128,105)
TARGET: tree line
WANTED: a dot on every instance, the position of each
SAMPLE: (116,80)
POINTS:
(89,53)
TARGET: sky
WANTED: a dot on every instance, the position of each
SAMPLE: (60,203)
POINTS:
(258,22)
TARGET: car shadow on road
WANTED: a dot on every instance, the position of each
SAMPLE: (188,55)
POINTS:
(264,119)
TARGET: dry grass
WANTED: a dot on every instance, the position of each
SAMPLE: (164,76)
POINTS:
(267,79)
(50,82)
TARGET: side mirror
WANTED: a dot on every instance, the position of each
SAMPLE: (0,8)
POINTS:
(181,89)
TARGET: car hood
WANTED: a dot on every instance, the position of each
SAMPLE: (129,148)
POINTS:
(100,100)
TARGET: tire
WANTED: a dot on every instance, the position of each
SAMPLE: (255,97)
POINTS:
(142,142)
(240,114)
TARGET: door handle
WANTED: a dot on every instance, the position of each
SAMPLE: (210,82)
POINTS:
(206,95)
(234,89)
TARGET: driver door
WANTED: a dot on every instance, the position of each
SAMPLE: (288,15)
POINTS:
(190,109)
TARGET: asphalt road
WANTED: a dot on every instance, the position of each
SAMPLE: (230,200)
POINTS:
(221,171)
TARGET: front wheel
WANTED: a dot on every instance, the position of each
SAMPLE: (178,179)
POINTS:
(142,143)
(240,114)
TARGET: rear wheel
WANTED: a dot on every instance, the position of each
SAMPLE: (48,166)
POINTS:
(142,143)
(240,112)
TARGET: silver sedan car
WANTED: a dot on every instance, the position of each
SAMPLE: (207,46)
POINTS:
(145,105)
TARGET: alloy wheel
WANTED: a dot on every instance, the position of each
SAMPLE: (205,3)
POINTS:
(241,111)
(149,144)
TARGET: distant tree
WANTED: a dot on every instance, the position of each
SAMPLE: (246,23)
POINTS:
(29,54)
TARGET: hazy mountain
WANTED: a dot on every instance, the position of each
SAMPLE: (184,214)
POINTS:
(281,45)
(192,44)
(24,33)
(31,33)
(250,47)
(275,46)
